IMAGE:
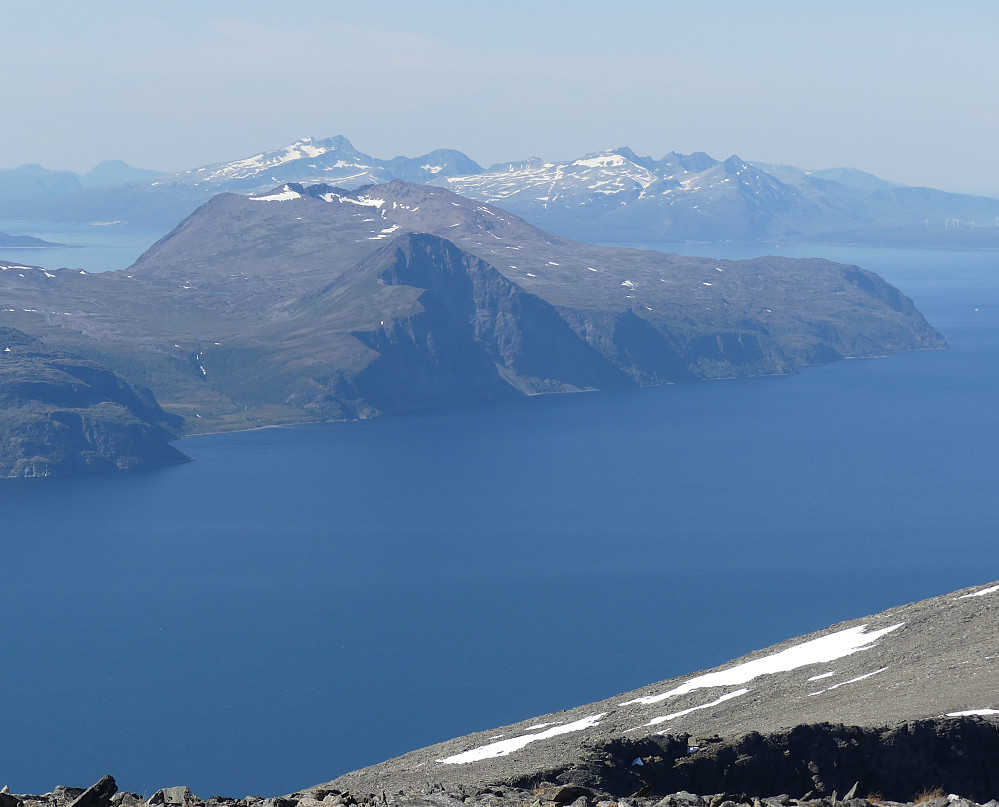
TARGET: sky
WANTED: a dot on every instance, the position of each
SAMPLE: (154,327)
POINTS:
(905,90)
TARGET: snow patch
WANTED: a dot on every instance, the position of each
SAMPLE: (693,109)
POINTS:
(966,713)
(728,696)
(282,196)
(363,201)
(826,648)
(981,593)
(504,748)
(603,161)
(851,681)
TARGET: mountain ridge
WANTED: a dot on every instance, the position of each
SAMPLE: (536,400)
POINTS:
(612,196)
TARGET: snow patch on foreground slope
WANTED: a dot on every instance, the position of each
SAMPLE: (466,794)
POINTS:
(818,651)
(504,747)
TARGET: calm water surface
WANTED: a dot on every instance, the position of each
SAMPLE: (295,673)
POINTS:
(299,602)
(94,247)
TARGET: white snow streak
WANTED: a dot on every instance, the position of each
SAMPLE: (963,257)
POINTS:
(974,712)
(504,748)
(657,720)
(826,648)
(283,196)
(981,593)
(851,681)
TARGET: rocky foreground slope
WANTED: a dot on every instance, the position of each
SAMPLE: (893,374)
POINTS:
(901,701)
(894,708)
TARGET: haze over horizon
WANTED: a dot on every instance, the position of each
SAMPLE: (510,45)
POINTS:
(901,90)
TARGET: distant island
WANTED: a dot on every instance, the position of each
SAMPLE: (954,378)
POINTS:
(26,242)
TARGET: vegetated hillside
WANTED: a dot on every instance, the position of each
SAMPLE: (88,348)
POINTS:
(897,702)
(60,414)
(319,303)
(613,196)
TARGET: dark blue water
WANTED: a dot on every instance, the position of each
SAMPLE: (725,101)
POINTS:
(303,601)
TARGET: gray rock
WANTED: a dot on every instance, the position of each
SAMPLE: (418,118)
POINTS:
(179,795)
(98,794)
(7,800)
(63,795)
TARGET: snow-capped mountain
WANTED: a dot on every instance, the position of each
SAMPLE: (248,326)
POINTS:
(618,196)
(613,196)
(928,669)
(334,161)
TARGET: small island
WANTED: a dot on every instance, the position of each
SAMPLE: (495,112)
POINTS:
(8,241)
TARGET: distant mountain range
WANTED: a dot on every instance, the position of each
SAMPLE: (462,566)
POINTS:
(313,303)
(615,196)
(30,183)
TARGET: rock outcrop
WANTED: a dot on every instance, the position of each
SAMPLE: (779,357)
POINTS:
(61,414)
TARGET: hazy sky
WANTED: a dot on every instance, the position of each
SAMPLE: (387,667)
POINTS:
(907,90)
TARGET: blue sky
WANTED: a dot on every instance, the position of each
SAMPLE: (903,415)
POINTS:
(906,90)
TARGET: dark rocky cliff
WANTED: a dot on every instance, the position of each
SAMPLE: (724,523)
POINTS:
(61,414)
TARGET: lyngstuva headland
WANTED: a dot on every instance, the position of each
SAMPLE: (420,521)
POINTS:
(318,303)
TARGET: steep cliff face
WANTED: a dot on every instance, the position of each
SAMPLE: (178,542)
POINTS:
(477,328)
(60,414)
